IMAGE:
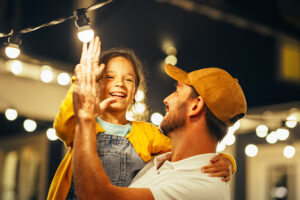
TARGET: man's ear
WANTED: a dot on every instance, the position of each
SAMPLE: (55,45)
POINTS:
(197,106)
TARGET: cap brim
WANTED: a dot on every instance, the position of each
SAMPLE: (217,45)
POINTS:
(177,74)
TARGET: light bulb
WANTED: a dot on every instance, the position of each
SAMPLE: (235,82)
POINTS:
(282,134)
(139,96)
(85,34)
(221,147)
(251,150)
(129,116)
(11,114)
(261,131)
(51,134)
(12,51)
(156,118)
(29,125)
(291,121)
(139,108)
(46,75)
(289,151)
(14,40)
(171,59)
(63,78)
(16,67)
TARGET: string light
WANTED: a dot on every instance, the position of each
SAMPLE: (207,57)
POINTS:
(282,134)
(139,96)
(156,118)
(289,151)
(11,114)
(63,78)
(51,134)
(221,147)
(13,50)
(14,38)
(272,137)
(291,121)
(29,125)
(139,108)
(251,150)
(85,33)
(47,74)
(261,131)
(16,67)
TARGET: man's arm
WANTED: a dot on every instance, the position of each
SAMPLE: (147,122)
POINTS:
(90,179)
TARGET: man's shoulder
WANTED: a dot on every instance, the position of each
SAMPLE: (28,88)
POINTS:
(191,185)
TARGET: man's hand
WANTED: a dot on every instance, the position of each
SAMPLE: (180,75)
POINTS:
(91,54)
(87,73)
(220,167)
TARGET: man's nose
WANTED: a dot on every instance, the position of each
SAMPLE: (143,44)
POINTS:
(166,100)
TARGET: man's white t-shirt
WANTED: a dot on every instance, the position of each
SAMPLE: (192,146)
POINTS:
(181,180)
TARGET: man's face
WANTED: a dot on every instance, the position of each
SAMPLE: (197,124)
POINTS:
(176,108)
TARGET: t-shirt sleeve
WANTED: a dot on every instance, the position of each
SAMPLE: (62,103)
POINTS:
(182,188)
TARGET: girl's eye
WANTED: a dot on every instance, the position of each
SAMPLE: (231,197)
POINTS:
(130,80)
(109,77)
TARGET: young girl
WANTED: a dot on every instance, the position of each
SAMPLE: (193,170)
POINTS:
(123,146)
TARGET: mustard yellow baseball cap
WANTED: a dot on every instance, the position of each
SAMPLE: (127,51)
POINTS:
(221,92)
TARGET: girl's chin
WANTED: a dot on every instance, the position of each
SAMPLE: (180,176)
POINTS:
(117,106)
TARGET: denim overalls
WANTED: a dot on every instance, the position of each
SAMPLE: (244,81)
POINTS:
(119,159)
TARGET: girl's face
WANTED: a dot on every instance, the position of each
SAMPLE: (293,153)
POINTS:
(118,82)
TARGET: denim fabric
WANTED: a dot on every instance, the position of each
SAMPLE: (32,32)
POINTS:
(119,159)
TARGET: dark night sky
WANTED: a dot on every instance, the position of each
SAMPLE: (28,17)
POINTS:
(143,25)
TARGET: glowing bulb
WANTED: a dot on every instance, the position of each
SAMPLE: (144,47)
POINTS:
(156,118)
(16,67)
(85,34)
(63,78)
(289,151)
(139,96)
(11,114)
(251,150)
(129,116)
(221,147)
(139,108)
(12,52)
(282,134)
(46,75)
(261,131)
(171,50)
(236,125)
(51,134)
(272,138)
(171,60)
(29,125)
(229,139)
(291,121)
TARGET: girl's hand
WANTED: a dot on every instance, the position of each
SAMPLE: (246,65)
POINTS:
(220,167)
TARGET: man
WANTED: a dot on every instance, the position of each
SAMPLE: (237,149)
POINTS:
(205,103)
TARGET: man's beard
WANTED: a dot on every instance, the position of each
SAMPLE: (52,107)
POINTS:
(174,120)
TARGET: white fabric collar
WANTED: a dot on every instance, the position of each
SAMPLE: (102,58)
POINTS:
(191,163)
